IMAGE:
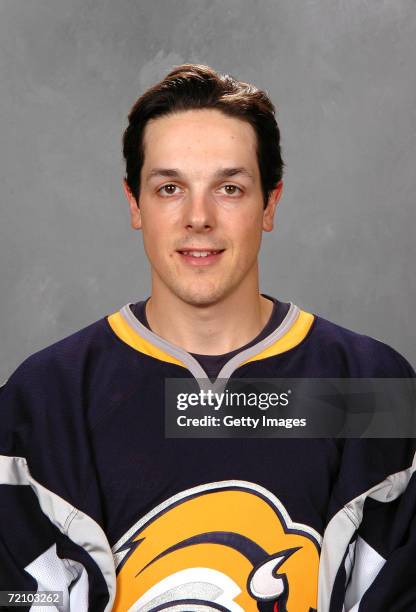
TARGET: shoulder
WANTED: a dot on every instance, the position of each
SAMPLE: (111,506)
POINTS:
(361,355)
(69,355)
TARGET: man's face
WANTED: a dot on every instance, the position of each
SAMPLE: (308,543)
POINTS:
(201,206)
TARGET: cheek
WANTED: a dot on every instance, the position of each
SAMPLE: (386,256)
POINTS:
(153,240)
(252,239)
(157,231)
(251,230)
(160,221)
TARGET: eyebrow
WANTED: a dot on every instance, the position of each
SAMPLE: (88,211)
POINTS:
(219,174)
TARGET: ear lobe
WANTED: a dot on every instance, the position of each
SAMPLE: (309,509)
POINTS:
(135,214)
(270,210)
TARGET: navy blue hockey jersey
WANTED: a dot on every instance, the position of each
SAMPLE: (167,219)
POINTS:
(96,502)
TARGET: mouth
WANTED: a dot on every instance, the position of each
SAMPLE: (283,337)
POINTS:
(200,257)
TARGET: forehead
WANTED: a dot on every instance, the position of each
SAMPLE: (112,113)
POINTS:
(200,138)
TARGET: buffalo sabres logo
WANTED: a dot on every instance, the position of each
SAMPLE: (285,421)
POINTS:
(228,546)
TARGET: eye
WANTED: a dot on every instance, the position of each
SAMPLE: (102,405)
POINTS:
(231,189)
(167,190)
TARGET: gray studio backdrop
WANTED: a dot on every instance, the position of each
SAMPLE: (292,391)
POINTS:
(342,74)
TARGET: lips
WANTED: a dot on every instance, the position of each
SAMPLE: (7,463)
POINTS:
(199,257)
(199,253)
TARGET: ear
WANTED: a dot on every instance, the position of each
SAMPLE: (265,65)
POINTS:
(135,214)
(270,210)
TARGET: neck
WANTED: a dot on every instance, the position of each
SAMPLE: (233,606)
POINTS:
(210,329)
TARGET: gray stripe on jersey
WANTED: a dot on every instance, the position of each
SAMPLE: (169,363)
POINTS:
(193,365)
(77,525)
(345,523)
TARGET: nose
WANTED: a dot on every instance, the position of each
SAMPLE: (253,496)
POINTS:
(199,212)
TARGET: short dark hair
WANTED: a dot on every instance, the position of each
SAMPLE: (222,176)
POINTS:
(195,86)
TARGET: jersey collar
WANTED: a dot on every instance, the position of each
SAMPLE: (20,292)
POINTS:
(291,331)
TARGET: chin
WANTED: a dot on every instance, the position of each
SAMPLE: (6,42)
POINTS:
(201,296)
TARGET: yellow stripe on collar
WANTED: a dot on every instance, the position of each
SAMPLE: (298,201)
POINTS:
(294,336)
(128,335)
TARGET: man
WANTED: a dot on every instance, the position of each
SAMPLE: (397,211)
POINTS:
(99,504)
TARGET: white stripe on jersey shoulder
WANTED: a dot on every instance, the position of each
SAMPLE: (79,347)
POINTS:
(366,565)
(76,525)
(55,574)
(345,523)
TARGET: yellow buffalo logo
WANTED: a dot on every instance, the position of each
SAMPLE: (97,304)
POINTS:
(227,546)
